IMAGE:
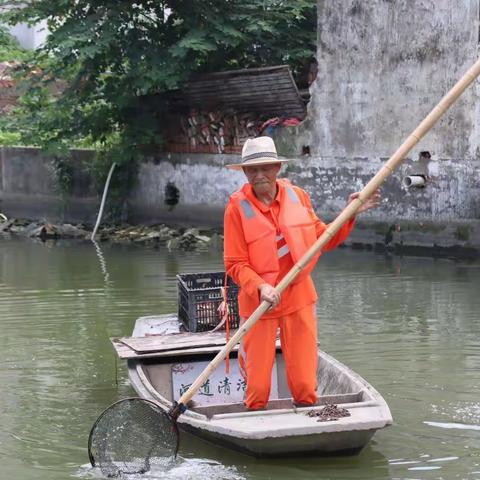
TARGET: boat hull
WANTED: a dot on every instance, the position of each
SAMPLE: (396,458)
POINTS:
(323,444)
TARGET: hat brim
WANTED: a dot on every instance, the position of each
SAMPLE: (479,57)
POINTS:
(257,161)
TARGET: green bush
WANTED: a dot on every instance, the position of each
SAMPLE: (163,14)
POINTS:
(462,233)
(9,48)
(8,139)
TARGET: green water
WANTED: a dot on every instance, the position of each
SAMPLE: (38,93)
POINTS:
(410,326)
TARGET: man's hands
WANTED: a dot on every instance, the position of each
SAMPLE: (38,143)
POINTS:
(372,202)
(268,293)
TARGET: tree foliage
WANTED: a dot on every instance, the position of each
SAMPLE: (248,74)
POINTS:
(108,55)
(10,48)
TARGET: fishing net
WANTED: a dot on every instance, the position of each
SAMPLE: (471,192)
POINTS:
(131,436)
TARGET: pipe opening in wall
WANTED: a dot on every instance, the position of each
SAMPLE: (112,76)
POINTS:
(172,195)
(425,155)
(306,150)
(418,181)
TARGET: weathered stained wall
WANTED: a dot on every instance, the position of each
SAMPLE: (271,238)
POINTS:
(29,189)
(383,65)
(446,213)
(28,186)
(452,191)
(204,186)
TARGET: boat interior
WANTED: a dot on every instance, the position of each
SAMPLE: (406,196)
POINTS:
(334,386)
(154,358)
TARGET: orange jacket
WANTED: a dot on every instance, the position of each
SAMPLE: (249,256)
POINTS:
(294,224)
(242,266)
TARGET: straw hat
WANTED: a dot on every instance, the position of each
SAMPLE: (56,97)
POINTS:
(258,151)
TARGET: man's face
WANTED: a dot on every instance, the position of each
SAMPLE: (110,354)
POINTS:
(262,178)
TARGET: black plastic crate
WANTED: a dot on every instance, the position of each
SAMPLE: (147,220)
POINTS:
(199,297)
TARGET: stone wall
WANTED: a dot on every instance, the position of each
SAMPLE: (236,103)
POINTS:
(203,182)
(28,186)
(382,66)
(443,215)
(452,191)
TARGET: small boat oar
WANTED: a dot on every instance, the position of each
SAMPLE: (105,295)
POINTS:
(119,444)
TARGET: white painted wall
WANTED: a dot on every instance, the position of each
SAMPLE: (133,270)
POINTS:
(30,37)
(383,65)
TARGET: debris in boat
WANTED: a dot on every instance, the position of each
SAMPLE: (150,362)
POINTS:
(329,413)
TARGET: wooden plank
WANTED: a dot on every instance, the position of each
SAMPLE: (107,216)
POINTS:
(260,71)
(281,403)
(255,106)
(280,76)
(246,98)
(275,82)
(271,102)
(253,97)
(177,341)
(270,109)
(248,73)
(237,90)
(127,353)
(277,103)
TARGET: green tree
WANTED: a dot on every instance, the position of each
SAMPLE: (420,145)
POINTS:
(10,48)
(10,51)
(107,56)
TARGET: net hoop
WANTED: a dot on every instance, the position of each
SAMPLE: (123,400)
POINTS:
(157,408)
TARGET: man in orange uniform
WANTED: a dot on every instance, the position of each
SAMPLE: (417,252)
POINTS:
(269,224)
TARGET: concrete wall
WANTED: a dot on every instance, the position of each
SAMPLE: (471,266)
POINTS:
(452,191)
(383,66)
(444,214)
(202,179)
(28,187)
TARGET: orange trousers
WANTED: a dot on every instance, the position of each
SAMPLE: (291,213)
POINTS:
(298,336)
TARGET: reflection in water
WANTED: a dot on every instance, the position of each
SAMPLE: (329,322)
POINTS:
(370,464)
(460,426)
(103,263)
(410,326)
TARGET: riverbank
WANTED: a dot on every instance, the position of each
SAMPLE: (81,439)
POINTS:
(457,240)
(174,238)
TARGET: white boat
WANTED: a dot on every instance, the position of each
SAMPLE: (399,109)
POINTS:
(162,362)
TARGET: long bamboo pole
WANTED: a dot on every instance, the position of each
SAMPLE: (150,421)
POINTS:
(102,204)
(393,162)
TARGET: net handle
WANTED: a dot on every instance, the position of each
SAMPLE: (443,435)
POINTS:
(393,162)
